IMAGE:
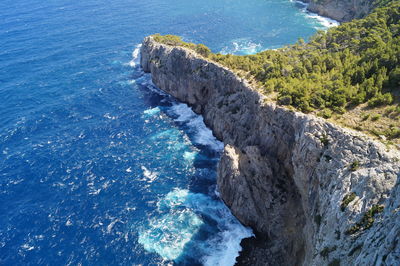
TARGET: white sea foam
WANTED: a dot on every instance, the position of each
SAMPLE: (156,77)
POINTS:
(135,56)
(202,134)
(27,247)
(152,111)
(111,225)
(323,21)
(108,116)
(149,176)
(127,82)
(189,156)
(173,234)
(242,46)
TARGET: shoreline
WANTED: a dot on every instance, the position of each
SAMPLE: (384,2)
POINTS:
(281,152)
(326,21)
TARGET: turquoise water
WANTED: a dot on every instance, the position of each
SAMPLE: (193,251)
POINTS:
(99,167)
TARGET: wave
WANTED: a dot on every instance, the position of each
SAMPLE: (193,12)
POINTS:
(135,56)
(179,232)
(323,21)
(201,134)
(152,111)
(242,46)
(188,226)
(149,176)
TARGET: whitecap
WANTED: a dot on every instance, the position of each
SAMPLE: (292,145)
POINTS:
(111,225)
(108,116)
(27,247)
(202,134)
(127,82)
(149,176)
(172,235)
(323,21)
(242,46)
(152,111)
(226,246)
(189,156)
(168,235)
(135,56)
(94,191)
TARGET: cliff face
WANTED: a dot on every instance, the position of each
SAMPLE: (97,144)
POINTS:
(285,173)
(340,10)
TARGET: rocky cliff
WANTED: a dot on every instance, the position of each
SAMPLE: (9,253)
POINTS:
(340,10)
(313,192)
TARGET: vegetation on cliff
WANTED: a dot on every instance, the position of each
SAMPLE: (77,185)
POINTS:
(353,68)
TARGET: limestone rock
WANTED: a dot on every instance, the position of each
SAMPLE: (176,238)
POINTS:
(286,174)
(341,10)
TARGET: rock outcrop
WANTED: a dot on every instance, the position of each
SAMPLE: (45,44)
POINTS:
(340,10)
(312,191)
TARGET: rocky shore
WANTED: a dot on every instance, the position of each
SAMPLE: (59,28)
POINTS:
(340,10)
(314,193)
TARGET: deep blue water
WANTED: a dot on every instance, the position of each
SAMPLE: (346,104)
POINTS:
(97,166)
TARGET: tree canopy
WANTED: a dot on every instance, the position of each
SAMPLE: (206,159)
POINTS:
(356,63)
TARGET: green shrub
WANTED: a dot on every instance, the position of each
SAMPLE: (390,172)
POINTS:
(354,166)
(380,99)
(326,113)
(375,117)
(390,110)
(365,117)
(346,200)
(168,39)
(367,220)
(203,50)
(345,66)
(285,100)
(324,140)
(392,133)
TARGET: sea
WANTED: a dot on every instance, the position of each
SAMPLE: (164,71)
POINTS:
(97,165)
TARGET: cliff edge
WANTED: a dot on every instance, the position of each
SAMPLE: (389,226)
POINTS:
(313,192)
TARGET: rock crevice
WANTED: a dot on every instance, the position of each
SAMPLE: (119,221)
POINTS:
(285,173)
